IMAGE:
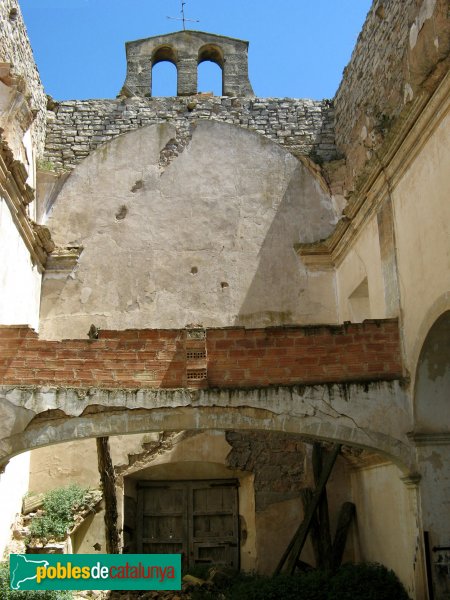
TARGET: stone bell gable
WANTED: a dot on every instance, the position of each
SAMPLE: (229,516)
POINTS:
(186,50)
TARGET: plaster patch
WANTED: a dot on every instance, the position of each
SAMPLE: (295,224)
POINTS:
(85,294)
(408,93)
(426,12)
(435,460)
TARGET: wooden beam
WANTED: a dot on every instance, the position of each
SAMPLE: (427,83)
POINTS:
(307,494)
(108,480)
(323,518)
(292,552)
(346,514)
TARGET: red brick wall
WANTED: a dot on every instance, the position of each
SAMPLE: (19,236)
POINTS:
(288,355)
(230,357)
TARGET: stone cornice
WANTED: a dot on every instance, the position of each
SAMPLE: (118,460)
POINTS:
(410,133)
(19,108)
(63,260)
(430,439)
(17,194)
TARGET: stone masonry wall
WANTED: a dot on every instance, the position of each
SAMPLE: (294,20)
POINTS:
(76,128)
(15,49)
(278,462)
(218,358)
(402,44)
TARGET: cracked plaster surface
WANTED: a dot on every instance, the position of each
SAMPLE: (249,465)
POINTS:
(351,413)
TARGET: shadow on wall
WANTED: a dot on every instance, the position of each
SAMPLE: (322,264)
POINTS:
(433,379)
(305,214)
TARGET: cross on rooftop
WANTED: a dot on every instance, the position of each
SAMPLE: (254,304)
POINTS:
(183,17)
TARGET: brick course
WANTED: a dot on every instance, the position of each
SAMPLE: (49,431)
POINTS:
(235,357)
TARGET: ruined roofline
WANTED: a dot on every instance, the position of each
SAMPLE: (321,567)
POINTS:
(189,31)
(302,127)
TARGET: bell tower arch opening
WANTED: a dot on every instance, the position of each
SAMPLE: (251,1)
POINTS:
(210,69)
(164,72)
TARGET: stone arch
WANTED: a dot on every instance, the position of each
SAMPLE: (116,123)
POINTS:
(432,382)
(437,308)
(63,415)
(213,53)
(432,434)
(165,52)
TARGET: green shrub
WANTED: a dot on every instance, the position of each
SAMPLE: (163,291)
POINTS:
(59,507)
(307,586)
(7,594)
(350,582)
(367,581)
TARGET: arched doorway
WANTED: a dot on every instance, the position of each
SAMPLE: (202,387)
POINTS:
(432,436)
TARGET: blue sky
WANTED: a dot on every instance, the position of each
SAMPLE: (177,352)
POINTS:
(298,48)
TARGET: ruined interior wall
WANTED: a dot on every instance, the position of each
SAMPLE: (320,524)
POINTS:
(386,522)
(431,408)
(416,181)
(15,49)
(75,128)
(22,123)
(422,230)
(362,262)
(434,494)
(54,466)
(401,45)
(281,465)
(278,462)
(208,238)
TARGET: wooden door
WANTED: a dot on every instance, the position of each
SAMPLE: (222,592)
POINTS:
(162,519)
(214,523)
(198,519)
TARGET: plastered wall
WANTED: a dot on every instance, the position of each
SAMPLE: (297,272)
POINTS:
(362,262)
(385,528)
(422,228)
(208,239)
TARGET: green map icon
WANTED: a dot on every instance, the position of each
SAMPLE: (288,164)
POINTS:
(23,569)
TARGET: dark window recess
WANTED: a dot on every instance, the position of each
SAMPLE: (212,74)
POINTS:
(199,519)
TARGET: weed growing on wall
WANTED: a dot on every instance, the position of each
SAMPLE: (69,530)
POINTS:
(59,508)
